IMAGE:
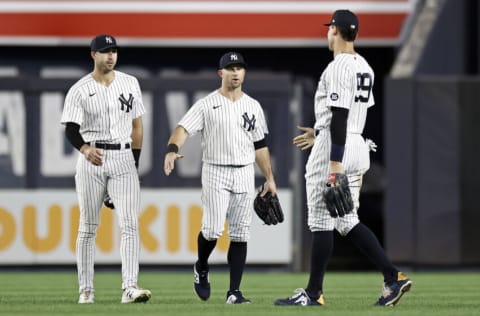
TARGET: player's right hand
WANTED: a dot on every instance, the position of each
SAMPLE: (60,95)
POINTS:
(94,155)
(305,140)
(169,163)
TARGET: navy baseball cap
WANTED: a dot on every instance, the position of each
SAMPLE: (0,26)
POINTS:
(344,18)
(231,58)
(102,42)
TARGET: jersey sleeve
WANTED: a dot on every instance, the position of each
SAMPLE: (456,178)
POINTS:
(73,109)
(193,120)
(139,107)
(261,128)
(341,88)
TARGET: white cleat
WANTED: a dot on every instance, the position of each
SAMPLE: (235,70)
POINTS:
(135,295)
(86,297)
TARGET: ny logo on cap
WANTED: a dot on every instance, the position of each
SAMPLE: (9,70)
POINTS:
(233,57)
(108,40)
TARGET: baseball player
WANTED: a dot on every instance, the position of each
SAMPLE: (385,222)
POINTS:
(233,130)
(343,96)
(102,114)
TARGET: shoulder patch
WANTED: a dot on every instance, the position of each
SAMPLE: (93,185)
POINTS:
(334,96)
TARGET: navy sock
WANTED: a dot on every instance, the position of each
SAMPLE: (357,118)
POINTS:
(362,237)
(237,255)
(322,247)
(205,248)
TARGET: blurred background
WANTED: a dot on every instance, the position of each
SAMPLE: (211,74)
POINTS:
(418,197)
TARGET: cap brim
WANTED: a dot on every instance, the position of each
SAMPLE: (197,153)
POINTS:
(106,47)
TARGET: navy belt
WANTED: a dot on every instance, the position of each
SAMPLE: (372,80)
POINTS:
(110,146)
(317,131)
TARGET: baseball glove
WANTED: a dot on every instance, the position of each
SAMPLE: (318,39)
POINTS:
(268,208)
(337,195)
(107,201)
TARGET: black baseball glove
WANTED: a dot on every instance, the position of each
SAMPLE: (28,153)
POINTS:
(337,195)
(107,201)
(268,208)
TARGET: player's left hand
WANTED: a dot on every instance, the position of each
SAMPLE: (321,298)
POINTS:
(305,140)
(169,163)
(269,186)
(337,195)
(268,208)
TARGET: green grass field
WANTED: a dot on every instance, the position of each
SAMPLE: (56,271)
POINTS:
(42,293)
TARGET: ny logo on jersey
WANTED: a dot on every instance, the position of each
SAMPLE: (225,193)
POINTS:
(249,123)
(126,103)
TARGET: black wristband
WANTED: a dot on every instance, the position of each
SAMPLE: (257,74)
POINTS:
(336,152)
(172,148)
(136,155)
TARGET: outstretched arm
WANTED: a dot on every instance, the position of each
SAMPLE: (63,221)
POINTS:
(176,141)
(305,140)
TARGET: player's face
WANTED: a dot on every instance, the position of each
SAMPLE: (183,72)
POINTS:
(106,60)
(233,76)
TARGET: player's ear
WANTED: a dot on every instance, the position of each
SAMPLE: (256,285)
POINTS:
(92,54)
(335,30)
(219,72)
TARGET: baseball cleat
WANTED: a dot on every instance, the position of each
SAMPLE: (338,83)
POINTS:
(392,292)
(201,283)
(236,297)
(86,297)
(300,298)
(134,294)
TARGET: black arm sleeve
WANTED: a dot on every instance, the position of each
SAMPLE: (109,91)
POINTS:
(261,143)
(338,128)
(338,132)
(73,135)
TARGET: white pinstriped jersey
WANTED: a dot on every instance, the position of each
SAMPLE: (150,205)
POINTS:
(228,128)
(346,83)
(104,113)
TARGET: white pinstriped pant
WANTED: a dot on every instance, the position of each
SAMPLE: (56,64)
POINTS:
(119,176)
(356,161)
(227,194)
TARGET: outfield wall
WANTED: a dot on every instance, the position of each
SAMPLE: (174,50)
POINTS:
(40,227)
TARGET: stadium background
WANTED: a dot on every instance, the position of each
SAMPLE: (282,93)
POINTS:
(418,197)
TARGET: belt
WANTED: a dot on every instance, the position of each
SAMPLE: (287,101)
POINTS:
(110,146)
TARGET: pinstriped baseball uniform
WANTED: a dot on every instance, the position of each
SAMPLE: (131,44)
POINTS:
(346,83)
(105,116)
(228,130)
